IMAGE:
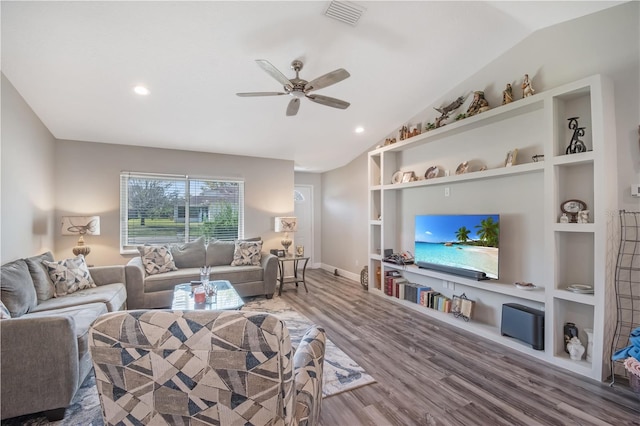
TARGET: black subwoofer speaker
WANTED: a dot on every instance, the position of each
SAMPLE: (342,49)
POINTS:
(523,323)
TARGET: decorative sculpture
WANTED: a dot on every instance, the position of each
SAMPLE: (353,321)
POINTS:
(575,349)
(507,95)
(576,145)
(478,105)
(527,88)
(445,111)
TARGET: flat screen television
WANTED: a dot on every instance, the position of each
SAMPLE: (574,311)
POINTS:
(469,242)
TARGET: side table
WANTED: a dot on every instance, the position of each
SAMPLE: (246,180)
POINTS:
(295,278)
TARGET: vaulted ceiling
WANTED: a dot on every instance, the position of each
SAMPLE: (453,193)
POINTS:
(76,63)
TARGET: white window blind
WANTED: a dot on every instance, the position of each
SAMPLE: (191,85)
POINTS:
(166,209)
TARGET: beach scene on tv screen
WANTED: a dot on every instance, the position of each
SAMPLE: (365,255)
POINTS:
(461,241)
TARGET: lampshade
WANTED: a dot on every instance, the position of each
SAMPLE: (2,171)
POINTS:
(83,225)
(286,224)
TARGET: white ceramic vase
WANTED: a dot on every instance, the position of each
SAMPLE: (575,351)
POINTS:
(589,343)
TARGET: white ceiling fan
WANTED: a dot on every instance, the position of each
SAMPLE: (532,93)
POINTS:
(299,88)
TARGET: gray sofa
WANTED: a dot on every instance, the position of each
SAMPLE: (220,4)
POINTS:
(44,345)
(145,291)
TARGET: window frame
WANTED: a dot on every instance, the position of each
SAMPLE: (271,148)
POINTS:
(125,177)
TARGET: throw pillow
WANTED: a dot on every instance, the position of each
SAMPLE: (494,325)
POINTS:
(41,281)
(247,253)
(157,259)
(4,312)
(189,255)
(17,291)
(69,275)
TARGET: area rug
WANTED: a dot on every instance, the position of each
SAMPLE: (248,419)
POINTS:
(341,373)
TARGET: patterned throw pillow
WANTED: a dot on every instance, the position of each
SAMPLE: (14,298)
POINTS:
(4,312)
(247,253)
(69,275)
(157,259)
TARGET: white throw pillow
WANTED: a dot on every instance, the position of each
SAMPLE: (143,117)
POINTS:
(157,259)
(247,253)
(69,275)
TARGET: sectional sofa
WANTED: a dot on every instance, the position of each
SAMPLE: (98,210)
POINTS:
(44,335)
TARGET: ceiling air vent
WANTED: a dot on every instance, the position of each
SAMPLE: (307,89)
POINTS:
(345,11)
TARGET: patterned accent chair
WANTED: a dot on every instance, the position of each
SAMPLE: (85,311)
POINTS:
(205,368)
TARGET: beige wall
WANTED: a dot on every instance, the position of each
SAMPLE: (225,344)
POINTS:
(27,149)
(604,43)
(87,183)
(345,217)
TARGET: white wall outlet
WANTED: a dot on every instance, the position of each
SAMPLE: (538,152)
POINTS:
(447,192)
(635,190)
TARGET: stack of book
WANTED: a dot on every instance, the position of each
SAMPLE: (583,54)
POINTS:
(395,285)
(434,300)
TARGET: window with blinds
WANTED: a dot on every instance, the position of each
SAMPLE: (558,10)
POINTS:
(166,209)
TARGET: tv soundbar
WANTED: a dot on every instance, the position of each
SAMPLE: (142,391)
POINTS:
(468,273)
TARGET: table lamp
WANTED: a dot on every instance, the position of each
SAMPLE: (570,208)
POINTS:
(286,225)
(82,225)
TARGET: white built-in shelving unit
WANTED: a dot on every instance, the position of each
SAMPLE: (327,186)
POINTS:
(534,246)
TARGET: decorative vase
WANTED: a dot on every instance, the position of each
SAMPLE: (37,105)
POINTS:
(576,350)
(589,343)
(570,331)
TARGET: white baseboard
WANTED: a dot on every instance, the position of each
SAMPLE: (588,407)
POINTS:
(341,272)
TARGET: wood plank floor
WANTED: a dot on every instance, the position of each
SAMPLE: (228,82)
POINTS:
(431,373)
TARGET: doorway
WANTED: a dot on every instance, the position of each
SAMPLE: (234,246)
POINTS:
(303,210)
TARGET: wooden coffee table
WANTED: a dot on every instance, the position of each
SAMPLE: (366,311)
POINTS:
(227,298)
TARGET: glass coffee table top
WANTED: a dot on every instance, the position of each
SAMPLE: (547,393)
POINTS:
(227,297)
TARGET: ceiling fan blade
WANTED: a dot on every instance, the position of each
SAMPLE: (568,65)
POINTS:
(274,72)
(260,94)
(327,80)
(293,107)
(326,100)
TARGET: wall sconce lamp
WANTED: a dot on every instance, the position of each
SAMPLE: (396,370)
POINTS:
(286,225)
(81,225)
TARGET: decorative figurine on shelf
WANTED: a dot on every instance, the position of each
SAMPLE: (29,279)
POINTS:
(583,216)
(507,95)
(576,145)
(478,105)
(527,88)
(445,111)
(564,218)
(575,349)
(389,141)
(404,133)
(461,116)
(429,126)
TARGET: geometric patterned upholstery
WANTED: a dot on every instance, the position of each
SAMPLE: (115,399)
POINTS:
(162,367)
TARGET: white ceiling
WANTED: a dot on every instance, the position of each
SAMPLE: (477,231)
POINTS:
(75,63)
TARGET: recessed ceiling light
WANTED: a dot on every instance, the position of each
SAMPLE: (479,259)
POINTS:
(359,129)
(141,90)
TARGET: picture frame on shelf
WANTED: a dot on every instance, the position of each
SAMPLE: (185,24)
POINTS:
(510,160)
(462,307)
(408,177)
